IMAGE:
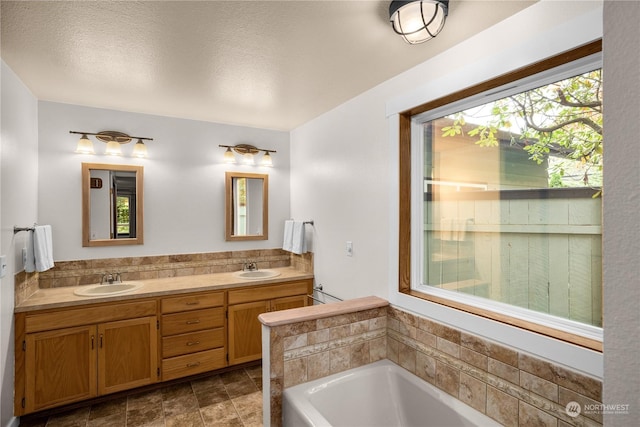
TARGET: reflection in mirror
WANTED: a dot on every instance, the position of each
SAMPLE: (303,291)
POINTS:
(112,205)
(247,211)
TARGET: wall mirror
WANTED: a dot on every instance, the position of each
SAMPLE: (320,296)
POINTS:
(246,206)
(112,205)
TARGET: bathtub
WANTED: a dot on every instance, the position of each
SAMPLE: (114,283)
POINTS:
(379,394)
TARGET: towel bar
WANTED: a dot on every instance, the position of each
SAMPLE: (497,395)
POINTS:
(16,230)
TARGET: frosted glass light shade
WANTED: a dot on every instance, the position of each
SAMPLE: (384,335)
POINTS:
(229,157)
(419,20)
(113,149)
(267,160)
(247,159)
(85,146)
(140,150)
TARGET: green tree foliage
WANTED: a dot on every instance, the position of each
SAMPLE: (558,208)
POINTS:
(562,119)
(122,215)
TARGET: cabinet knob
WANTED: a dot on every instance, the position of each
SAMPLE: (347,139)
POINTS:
(193,322)
(193,365)
(193,303)
(190,343)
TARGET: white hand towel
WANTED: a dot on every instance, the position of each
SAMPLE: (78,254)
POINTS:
(287,243)
(43,247)
(30,259)
(299,238)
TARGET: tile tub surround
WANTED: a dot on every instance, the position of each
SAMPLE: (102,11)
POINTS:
(85,272)
(317,341)
(514,388)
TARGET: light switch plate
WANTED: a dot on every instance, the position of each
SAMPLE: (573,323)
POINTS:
(349,248)
(3,266)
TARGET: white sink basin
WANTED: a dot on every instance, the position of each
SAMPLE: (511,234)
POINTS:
(258,274)
(105,290)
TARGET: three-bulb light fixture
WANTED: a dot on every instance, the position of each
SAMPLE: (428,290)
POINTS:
(418,21)
(114,141)
(247,153)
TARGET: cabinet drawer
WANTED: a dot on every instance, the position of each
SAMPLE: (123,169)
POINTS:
(190,364)
(89,315)
(192,302)
(193,342)
(259,293)
(190,321)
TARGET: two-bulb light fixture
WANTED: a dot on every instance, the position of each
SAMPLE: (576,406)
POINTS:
(418,21)
(114,141)
(247,153)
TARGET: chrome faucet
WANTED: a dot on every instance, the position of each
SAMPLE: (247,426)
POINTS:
(249,266)
(110,278)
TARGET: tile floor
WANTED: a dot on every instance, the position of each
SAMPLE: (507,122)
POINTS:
(228,399)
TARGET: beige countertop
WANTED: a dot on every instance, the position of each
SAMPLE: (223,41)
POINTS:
(64,297)
(321,311)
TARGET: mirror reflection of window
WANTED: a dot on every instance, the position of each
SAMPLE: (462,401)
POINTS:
(240,206)
(124,194)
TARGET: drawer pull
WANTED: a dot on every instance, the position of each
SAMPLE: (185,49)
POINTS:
(190,343)
(193,322)
(193,303)
(193,365)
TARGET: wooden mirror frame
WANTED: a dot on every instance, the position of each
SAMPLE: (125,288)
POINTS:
(229,225)
(86,205)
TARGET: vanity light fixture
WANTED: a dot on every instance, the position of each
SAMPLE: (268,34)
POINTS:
(418,21)
(114,141)
(248,153)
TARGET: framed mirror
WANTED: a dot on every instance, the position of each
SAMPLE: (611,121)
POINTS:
(246,206)
(112,205)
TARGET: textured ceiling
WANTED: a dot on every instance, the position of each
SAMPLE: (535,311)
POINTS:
(267,64)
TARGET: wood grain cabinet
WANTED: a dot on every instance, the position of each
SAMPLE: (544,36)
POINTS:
(193,334)
(67,355)
(245,330)
(70,355)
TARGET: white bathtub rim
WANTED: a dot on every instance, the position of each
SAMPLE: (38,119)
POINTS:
(300,395)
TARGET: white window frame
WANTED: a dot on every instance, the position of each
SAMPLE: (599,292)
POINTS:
(561,72)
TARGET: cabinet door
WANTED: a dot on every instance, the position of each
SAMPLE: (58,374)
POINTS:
(127,354)
(288,302)
(60,367)
(245,331)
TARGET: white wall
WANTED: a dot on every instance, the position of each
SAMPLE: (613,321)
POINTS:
(621,236)
(344,165)
(183,180)
(18,206)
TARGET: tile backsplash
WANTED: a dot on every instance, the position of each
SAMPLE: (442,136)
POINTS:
(514,388)
(89,271)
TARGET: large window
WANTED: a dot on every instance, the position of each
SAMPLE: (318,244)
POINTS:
(505,194)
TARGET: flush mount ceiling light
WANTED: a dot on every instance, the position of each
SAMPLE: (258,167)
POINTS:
(114,141)
(247,152)
(418,20)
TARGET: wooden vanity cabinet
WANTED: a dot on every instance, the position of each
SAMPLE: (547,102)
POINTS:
(244,306)
(69,355)
(193,334)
